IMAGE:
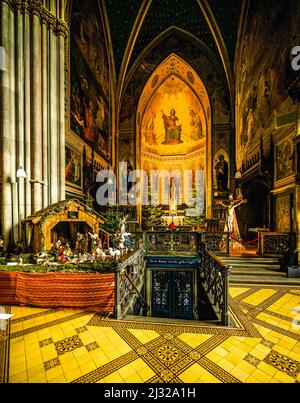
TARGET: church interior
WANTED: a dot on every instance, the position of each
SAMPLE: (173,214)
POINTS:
(150,191)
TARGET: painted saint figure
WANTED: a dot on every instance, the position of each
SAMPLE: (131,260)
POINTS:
(150,135)
(172,130)
(196,126)
(222,174)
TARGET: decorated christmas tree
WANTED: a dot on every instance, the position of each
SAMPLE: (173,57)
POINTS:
(113,215)
(151,216)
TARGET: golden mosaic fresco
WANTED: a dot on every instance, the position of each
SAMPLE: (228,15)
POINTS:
(71,346)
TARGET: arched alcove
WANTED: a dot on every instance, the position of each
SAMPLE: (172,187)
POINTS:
(174,91)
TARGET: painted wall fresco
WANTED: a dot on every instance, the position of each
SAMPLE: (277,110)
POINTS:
(262,70)
(208,69)
(89,79)
(174,122)
(283,213)
(73,172)
(284,160)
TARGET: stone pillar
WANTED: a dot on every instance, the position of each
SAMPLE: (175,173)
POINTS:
(45,103)
(61,106)
(53,110)
(27,113)
(36,114)
(8,128)
(20,115)
(5,123)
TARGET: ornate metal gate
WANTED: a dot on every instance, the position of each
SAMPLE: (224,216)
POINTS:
(172,294)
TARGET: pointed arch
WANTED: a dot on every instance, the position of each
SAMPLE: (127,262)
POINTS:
(206,11)
(171,68)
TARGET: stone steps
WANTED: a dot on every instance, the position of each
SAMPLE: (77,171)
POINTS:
(269,280)
(247,269)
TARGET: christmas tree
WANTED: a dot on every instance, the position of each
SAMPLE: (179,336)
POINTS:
(113,215)
(151,215)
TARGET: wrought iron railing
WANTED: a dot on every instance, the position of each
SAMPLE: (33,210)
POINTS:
(274,243)
(215,278)
(130,276)
(171,242)
(217,242)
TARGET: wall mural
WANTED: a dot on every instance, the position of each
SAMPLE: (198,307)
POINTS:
(284,160)
(260,90)
(217,111)
(174,122)
(89,79)
(283,213)
(73,172)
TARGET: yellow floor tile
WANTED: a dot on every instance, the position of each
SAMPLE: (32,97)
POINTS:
(72,375)
(69,365)
(113,378)
(240,374)
(35,371)
(87,368)
(251,379)
(261,376)
(54,373)
(268,369)
(259,296)
(235,292)
(146,374)
(18,377)
(283,377)
(59,379)
(225,364)
(194,340)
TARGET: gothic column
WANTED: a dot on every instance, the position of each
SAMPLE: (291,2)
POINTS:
(45,101)
(27,113)
(36,115)
(53,110)
(61,106)
(20,114)
(6,126)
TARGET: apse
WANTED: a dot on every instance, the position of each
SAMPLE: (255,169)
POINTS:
(173,101)
(173,120)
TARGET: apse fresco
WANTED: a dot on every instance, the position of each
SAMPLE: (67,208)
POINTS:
(89,117)
(262,71)
(174,121)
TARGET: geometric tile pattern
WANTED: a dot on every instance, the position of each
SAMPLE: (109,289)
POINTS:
(92,346)
(283,363)
(51,364)
(46,342)
(68,344)
(81,347)
(252,360)
(81,329)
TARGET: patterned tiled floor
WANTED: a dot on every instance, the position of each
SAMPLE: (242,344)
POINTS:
(76,346)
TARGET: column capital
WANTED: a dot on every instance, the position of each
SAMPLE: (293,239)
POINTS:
(36,7)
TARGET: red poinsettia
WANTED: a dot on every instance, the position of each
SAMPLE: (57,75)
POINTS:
(172,226)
